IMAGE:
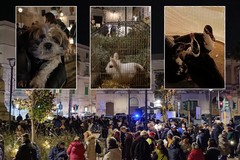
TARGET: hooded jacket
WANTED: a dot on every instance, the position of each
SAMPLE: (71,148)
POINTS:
(76,151)
(196,154)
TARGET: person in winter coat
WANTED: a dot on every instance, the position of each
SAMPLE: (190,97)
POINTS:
(212,152)
(185,145)
(26,151)
(1,147)
(58,152)
(151,140)
(114,152)
(128,145)
(169,140)
(90,143)
(217,130)
(196,153)
(175,152)
(233,138)
(202,140)
(76,150)
(224,145)
(123,130)
(160,152)
(140,148)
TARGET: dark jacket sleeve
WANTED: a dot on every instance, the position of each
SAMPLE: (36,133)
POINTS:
(181,155)
(155,156)
(51,154)
(19,153)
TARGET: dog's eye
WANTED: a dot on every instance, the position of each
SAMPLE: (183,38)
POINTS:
(111,66)
(42,36)
(55,39)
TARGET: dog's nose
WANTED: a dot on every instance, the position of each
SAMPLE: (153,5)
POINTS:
(48,45)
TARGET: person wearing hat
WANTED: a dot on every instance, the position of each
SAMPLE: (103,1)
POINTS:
(1,147)
(174,131)
(151,141)
(196,153)
(140,148)
(114,152)
(76,150)
(224,145)
(58,152)
(26,151)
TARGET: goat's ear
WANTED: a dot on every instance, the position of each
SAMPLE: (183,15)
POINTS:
(115,56)
(114,62)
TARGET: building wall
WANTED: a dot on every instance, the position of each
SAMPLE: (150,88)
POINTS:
(120,100)
(7,50)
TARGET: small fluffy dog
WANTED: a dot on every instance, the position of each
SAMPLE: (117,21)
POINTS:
(48,43)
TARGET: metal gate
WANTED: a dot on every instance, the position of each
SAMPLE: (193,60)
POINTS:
(120,55)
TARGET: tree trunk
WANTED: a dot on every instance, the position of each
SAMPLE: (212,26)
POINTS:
(32,130)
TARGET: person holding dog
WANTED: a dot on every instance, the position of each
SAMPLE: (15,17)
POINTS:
(51,19)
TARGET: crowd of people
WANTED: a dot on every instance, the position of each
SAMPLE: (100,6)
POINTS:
(122,138)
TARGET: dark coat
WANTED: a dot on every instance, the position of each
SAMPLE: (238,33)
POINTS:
(202,141)
(26,152)
(176,153)
(56,153)
(233,135)
(140,149)
(212,153)
(216,132)
(128,145)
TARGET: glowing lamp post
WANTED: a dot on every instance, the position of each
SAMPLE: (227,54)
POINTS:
(12,64)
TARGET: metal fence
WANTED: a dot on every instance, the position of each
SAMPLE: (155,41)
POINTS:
(128,45)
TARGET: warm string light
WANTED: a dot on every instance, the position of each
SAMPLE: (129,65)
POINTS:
(46,145)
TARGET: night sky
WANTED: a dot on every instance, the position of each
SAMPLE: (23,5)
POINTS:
(157,6)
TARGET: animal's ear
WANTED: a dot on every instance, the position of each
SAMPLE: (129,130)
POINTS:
(65,42)
(115,56)
(114,63)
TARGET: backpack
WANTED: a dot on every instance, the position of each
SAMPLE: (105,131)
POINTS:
(98,148)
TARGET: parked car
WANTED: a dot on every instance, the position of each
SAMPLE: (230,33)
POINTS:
(177,120)
(86,114)
(118,115)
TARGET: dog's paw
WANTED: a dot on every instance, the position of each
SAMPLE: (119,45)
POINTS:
(37,83)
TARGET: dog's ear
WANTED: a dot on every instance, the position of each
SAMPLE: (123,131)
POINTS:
(65,42)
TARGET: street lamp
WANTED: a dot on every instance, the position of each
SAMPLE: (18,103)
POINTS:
(20,10)
(210,107)
(12,64)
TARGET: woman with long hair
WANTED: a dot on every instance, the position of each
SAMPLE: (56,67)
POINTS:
(90,145)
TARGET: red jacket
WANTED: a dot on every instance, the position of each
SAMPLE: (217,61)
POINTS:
(76,151)
(196,154)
